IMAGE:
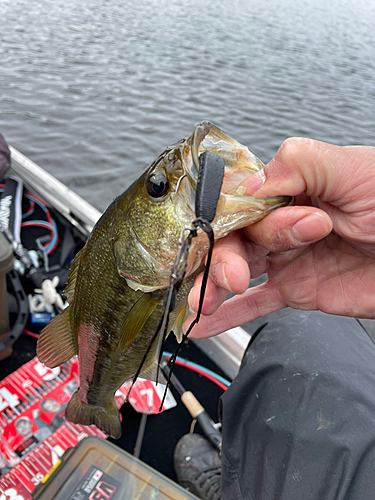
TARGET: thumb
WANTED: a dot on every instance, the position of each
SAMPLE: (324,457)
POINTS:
(305,166)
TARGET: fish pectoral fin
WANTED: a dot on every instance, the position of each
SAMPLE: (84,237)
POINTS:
(56,343)
(152,373)
(136,319)
(179,321)
(107,419)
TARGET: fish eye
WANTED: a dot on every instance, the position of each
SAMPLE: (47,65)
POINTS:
(157,185)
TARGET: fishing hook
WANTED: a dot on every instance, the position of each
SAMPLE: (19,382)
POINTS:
(179,182)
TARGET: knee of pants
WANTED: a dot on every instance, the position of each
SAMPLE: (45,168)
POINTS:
(303,401)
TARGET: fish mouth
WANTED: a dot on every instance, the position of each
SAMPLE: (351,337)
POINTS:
(235,208)
(239,162)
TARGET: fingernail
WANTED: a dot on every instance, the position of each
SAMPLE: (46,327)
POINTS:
(218,272)
(254,182)
(309,228)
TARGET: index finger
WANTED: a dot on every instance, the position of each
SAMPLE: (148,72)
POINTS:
(306,166)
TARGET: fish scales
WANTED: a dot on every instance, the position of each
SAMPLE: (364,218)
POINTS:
(117,282)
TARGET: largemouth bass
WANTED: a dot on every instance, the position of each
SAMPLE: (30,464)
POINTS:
(117,281)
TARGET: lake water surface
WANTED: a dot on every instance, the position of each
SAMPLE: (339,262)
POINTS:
(94,90)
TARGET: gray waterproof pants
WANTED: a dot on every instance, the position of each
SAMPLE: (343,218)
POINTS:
(299,419)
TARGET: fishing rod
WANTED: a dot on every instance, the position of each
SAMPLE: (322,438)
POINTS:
(195,408)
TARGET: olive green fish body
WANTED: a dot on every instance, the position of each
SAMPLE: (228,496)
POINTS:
(100,303)
(117,282)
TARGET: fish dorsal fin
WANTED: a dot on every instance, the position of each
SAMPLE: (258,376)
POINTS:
(56,343)
(152,373)
(135,320)
(179,321)
(72,276)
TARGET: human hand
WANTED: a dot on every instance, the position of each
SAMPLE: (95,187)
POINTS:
(309,266)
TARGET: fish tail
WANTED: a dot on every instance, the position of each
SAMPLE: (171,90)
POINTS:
(108,420)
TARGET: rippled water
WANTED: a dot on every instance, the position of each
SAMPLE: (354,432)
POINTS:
(94,90)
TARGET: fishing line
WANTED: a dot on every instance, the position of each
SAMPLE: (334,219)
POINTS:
(169,299)
(205,226)
(210,178)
